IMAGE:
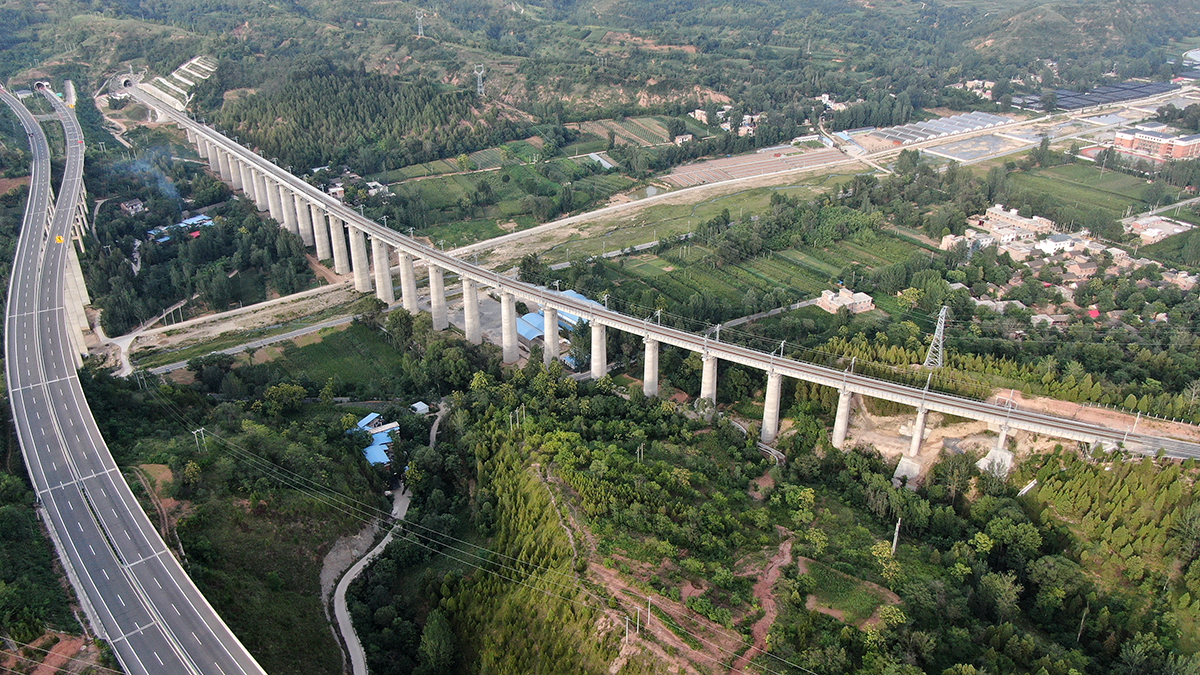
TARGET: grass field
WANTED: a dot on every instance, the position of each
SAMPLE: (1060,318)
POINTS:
(843,593)
(678,274)
(1083,184)
(355,354)
(669,220)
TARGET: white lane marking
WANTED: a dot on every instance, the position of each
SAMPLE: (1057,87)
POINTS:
(71,505)
(56,463)
(91,549)
(158,659)
(197,639)
(121,599)
(80,526)
(105,573)
(176,609)
(127,535)
(157,584)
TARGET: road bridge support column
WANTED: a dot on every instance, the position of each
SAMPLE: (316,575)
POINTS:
(650,372)
(320,232)
(918,433)
(260,190)
(337,233)
(508,326)
(550,326)
(708,378)
(1002,440)
(235,171)
(358,260)
(408,283)
(273,203)
(384,290)
(247,179)
(770,424)
(223,165)
(285,207)
(599,350)
(471,312)
(302,219)
(437,298)
(210,152)
(841,423)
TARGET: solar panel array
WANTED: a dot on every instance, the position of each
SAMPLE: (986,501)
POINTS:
(941,128)
(1111,93)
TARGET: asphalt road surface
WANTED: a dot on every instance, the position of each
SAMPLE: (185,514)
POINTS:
(135,593)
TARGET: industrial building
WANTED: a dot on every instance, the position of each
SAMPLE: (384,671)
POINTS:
(941,128)
(1152,140)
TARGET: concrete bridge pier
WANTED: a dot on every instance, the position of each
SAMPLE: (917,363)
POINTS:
(235,171)
(918,432)
(841,423)
(285,207)
(708,378)
(260,190)
(508,327)
(337,232)
(437,298)
(358,260)
(471,312)
(247,180)
(770,424)
(274,206)
(550,326)
(223,166)
(384,290)
(1002,440)
(320,231)
(650,374)
(408,284)
(302,219)
(210,153)
(599,350)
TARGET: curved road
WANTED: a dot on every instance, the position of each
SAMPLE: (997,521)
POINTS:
(135,593)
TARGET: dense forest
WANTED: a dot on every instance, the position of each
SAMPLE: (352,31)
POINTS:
(371,122)
(236,260)
(987,581)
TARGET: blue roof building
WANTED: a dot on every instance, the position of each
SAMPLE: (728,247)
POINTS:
(529,327)
(567,319)
(381,438)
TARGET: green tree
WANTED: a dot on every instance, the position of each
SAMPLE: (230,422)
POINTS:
(399,327)
(438,645)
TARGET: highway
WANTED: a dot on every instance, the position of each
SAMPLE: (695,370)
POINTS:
(136,595)
(1013,419)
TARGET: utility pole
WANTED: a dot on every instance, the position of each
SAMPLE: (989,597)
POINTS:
(420,23)
(933,358)
(198,436)
(479,71)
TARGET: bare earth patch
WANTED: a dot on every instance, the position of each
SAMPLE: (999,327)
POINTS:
(764,592)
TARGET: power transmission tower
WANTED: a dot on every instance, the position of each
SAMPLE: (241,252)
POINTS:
(479,78)
(421,23)
(933,359)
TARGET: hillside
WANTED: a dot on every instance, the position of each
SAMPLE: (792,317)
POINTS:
(1055,30)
